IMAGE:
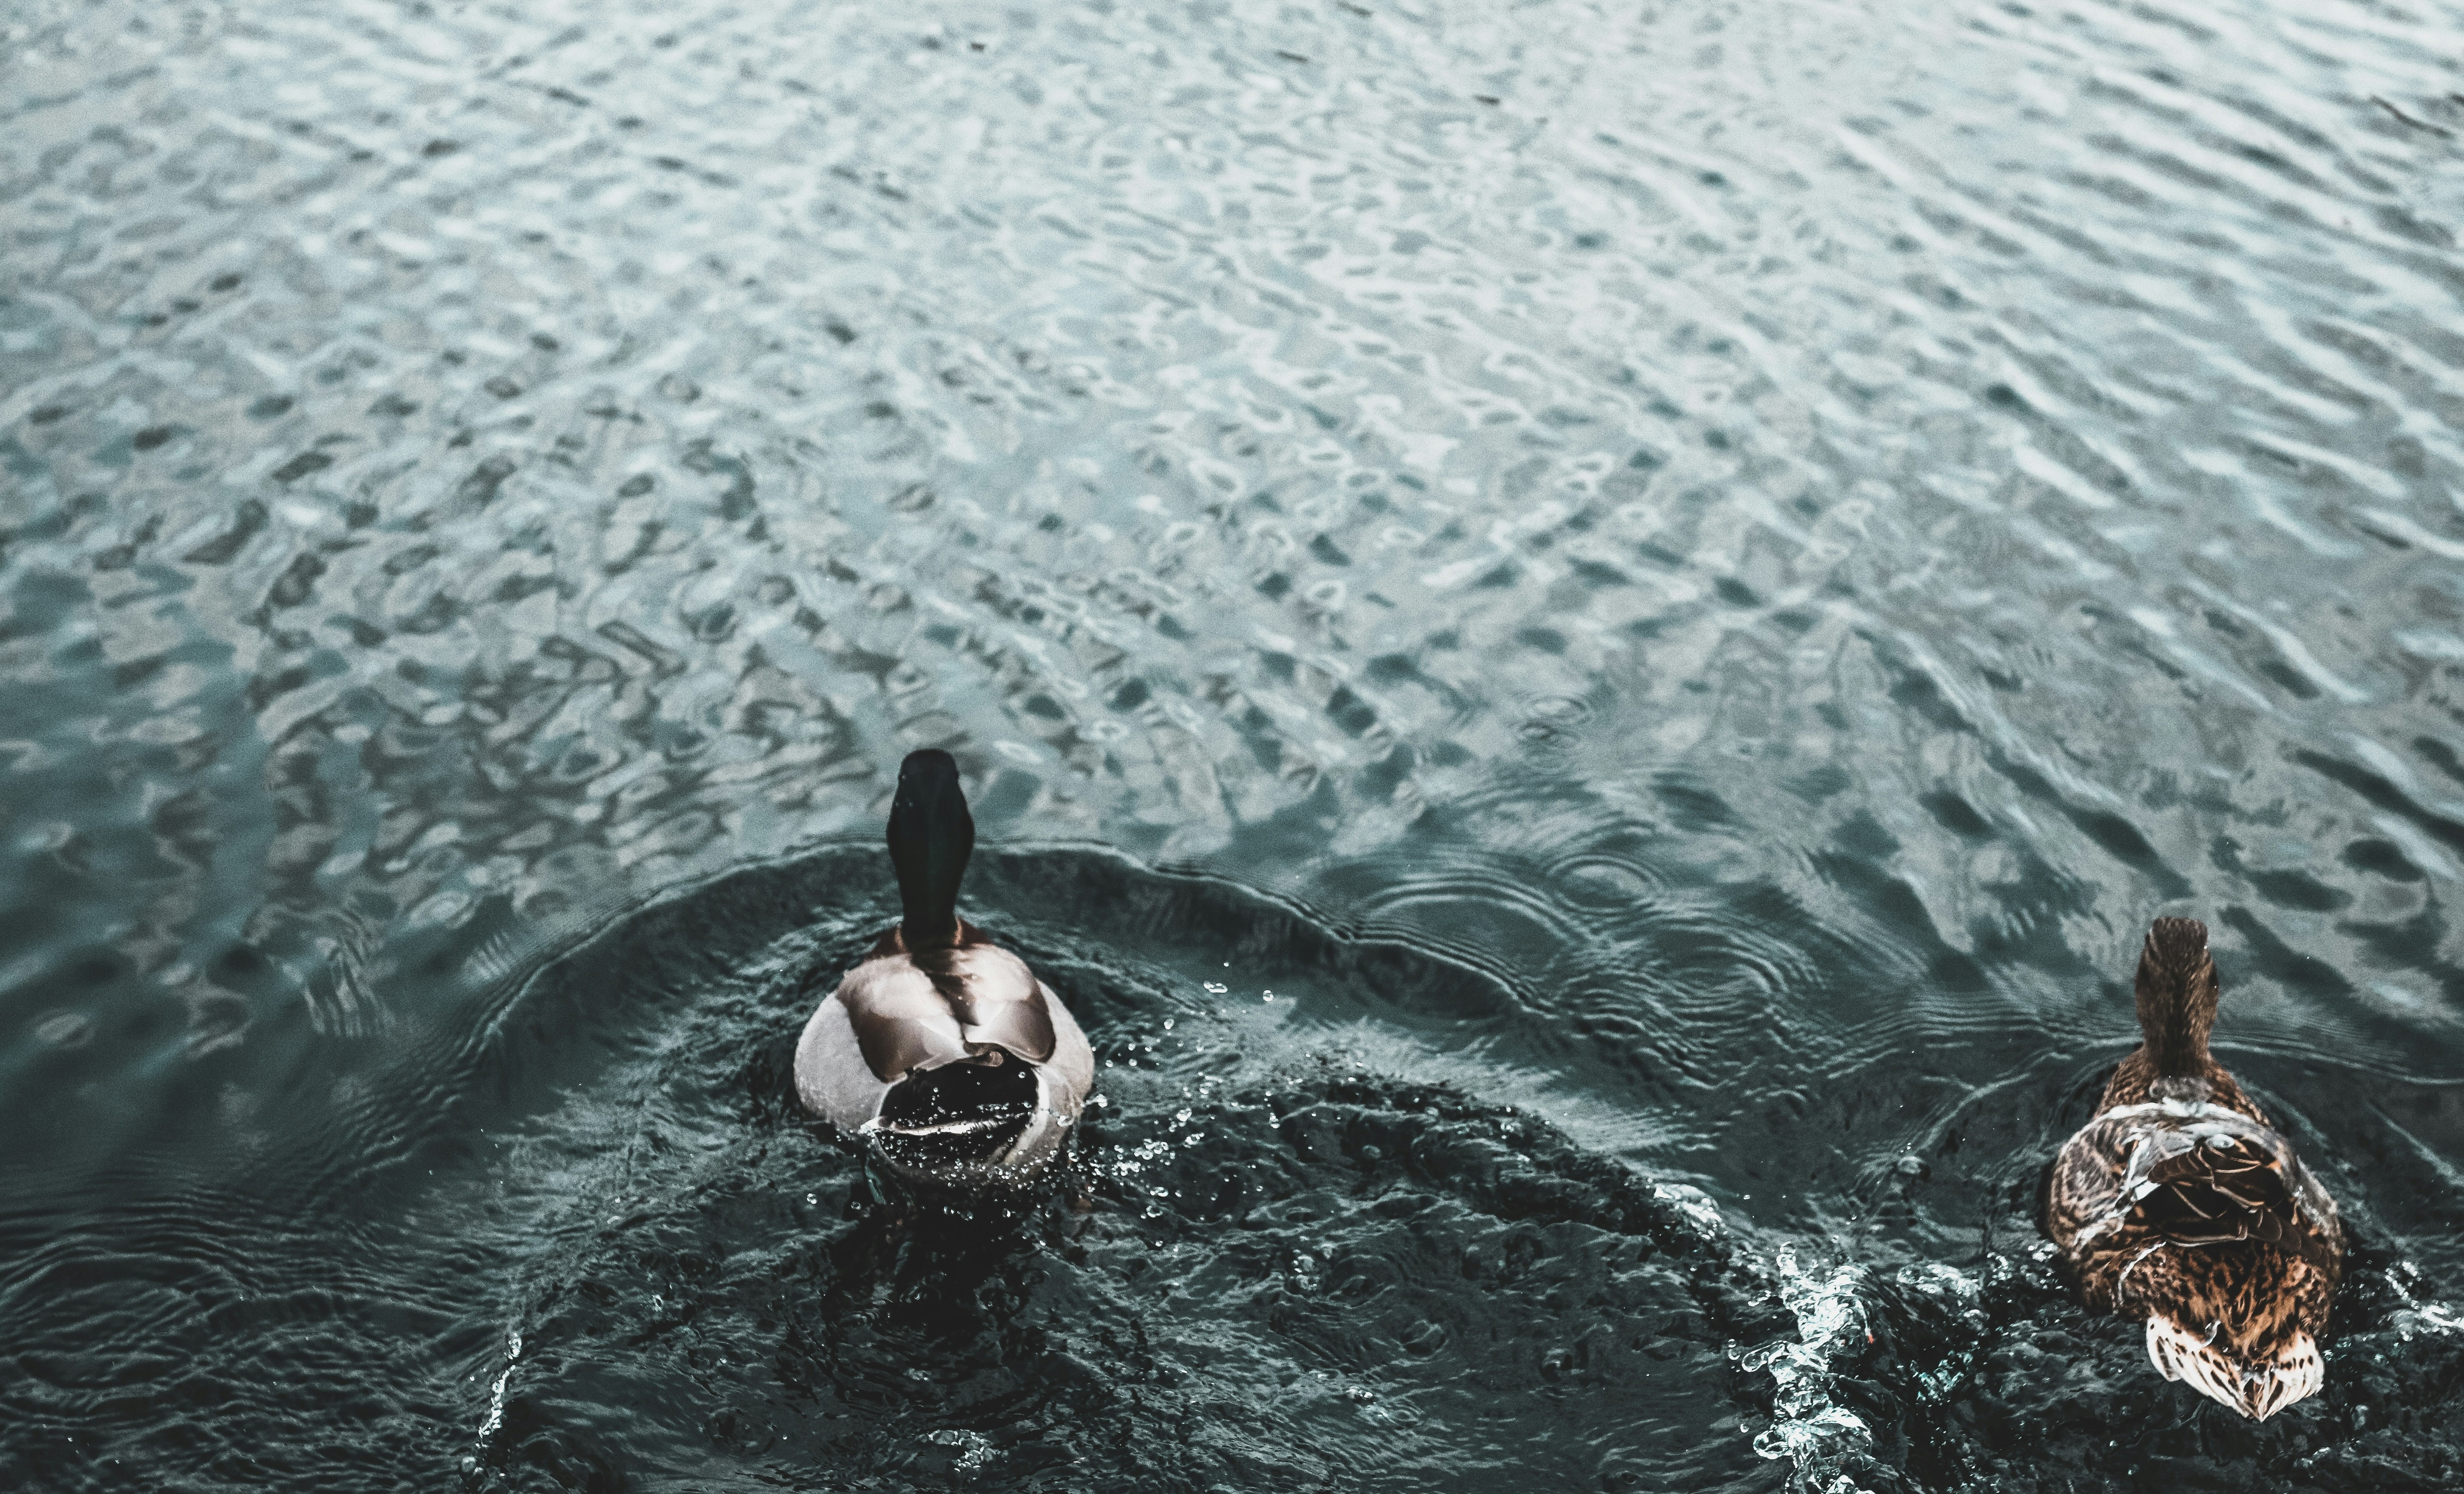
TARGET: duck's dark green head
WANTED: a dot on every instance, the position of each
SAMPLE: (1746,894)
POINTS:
(931,836)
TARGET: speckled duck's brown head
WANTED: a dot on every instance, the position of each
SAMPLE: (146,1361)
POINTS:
(2177,997)
(2177,993)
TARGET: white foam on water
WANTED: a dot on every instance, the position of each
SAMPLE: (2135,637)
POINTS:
(2416,1316)
(1964,1295)
(975,1448)
(1809,1429)
(1694,1207)
(496,1392)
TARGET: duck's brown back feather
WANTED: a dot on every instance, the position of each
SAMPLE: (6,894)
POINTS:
(2200,1212)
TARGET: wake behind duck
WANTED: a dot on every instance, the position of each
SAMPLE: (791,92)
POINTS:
(2180,1203)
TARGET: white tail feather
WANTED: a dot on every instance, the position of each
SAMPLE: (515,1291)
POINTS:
(2257,1391)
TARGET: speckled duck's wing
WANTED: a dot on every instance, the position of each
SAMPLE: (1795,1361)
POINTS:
(2185,1173)
(945,1006)
(2215,1175)
(2084,1192)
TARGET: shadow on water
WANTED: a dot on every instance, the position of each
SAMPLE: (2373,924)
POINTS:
(1269,1268)
(593,1244)
(590,1242)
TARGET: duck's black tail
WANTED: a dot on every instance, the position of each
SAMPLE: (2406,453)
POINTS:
(2177,996)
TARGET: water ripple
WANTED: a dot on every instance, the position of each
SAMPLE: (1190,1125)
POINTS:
(1735,554)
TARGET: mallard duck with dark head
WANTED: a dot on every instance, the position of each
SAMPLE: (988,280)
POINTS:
(2181,1204)
(941,1049)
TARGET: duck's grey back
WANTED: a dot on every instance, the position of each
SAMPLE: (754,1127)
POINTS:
(946,1006)
(895,1015)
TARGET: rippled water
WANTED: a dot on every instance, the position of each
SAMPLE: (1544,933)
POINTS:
(1676,582)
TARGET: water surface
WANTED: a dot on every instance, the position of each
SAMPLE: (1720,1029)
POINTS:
(1585,637)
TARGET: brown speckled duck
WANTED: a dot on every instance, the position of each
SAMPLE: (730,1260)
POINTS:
(2180,1203)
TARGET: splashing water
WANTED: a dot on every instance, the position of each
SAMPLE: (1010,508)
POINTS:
(1809,1429)
(497,1391)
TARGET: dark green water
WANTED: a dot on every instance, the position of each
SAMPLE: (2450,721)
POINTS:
(1675,584)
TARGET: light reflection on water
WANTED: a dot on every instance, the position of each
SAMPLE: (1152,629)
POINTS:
(1770,539)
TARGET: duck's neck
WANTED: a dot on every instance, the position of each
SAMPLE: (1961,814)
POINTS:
(2176,998)
(898,942)
(931,836)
